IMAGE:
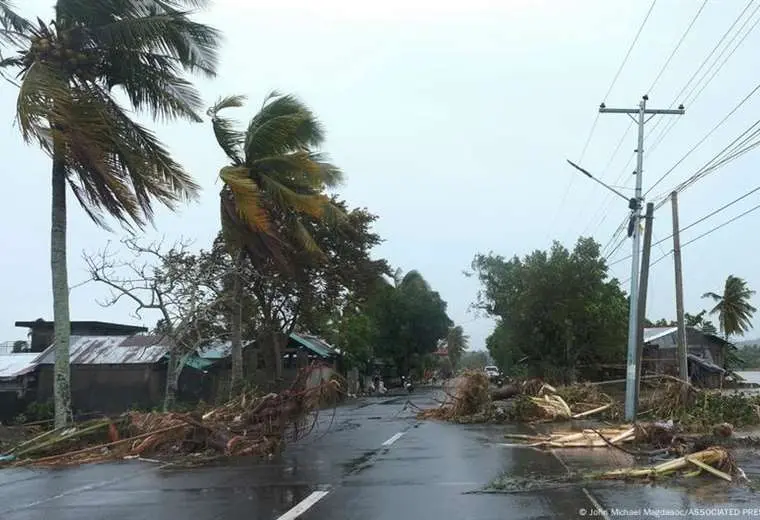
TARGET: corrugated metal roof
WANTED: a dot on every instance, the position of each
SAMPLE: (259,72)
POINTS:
(314,344)
(110,350)
(654,333)
(14,365)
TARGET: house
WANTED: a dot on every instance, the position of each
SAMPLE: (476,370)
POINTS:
(214,359)
(114,367)
(706,354)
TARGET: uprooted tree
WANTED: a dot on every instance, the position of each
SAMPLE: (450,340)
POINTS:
(184,289)
(558,313)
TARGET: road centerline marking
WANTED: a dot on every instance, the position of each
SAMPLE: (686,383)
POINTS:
(393,439)
(304,505)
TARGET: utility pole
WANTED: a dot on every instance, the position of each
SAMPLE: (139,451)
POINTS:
(643,286)
(635,205)
(683,365)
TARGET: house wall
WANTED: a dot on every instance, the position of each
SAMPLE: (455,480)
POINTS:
(108,388)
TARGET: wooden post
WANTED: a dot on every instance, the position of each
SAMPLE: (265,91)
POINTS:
(683,365)
(643,285)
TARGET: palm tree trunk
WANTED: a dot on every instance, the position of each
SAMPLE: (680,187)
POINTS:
(236,324)
(59,271)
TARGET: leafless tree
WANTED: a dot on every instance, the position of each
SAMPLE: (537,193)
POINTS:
(186,290)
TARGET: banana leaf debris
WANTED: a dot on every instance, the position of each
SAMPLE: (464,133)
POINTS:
(250,424)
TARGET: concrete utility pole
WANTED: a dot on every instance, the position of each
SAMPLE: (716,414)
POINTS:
(635,206)
(643,286)
(683,365)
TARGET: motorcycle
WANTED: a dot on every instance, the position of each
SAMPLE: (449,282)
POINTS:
(408,386)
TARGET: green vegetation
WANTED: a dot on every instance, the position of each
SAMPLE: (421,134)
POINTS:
(733,307)
(558,314)
(69,71)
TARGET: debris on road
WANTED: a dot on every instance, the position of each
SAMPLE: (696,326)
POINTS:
(247,425)
(587,438)
(716,460)
(470,396)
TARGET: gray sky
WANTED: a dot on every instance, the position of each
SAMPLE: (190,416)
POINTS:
(453,121)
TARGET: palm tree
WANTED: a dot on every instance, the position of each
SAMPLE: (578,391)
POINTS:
(68,72)
(733,307)
(275,181)
(456,344)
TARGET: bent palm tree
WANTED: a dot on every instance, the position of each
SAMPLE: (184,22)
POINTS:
(275,181)
(733,307)
(69,71)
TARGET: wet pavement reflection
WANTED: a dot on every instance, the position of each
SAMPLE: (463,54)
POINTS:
(369,460)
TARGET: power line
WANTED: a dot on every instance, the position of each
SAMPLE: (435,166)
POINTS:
(678,45)
(630,49)
(690,101)
(703,235)
(717,161)
(707,135)
(606,95)
(702,219)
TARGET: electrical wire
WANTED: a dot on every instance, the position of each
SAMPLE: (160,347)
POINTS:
(698,221)
(678,46)
(605,205)
(689,100)
(606,95)
(703,235)
(701,141)
(717,162)
(630,49)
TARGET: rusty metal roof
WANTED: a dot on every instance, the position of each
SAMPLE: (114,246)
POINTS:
(111,350)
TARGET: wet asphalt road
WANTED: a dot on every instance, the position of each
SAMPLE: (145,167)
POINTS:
(369,460)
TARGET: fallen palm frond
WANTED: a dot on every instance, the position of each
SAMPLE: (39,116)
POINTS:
(249,424)
(716,461)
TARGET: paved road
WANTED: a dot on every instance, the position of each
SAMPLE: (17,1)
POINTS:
(370,460)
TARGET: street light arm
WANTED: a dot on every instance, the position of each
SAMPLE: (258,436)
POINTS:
(587,174)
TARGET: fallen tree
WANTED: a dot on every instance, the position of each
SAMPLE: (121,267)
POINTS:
(248,425)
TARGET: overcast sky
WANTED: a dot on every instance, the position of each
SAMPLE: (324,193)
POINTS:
(452,121)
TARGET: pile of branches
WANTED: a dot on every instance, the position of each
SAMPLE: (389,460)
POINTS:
(694,409)
(547,403)
(470,397)
(248,425)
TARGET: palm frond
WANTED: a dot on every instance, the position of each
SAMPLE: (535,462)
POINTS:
(302,168)
(247,197)
(154,83)
(43,96)
(151,26)
(13,27)
(305,239)
(229,139)
(283,125)
(287,199)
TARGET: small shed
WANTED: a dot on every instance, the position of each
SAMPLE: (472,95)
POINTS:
(706,354)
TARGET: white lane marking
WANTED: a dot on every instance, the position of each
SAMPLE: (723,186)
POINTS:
(599,509)
(393,439)
(304,505)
